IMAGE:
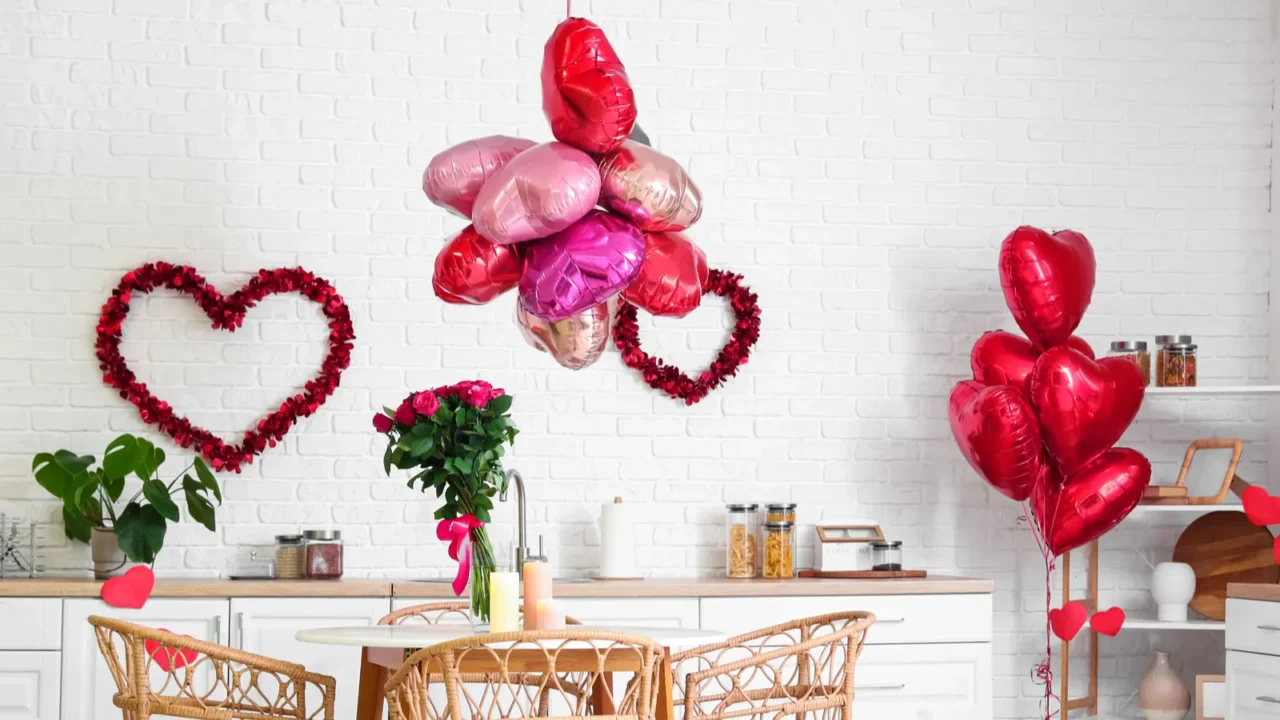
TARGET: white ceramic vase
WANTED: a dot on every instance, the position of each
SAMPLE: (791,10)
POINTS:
(1162,694)
(1172,586)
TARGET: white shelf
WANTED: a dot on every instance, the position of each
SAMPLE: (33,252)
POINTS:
(1185,509)
(1213,390)
(1147,622)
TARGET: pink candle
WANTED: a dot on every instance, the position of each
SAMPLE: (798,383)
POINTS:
(550,614)
(537,586)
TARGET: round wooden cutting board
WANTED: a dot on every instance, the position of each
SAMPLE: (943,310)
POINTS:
(1224,547)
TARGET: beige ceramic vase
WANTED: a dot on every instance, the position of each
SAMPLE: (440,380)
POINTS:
(1162,695)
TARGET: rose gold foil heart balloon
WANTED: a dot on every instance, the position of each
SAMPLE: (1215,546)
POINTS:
(648,188)
(574,342)
(472,270)
(454,177)
(541,191)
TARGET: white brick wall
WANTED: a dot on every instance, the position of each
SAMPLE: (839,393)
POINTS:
(860,163)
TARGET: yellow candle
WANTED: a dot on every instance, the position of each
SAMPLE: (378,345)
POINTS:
(537,586)
(550,614)
(504,602)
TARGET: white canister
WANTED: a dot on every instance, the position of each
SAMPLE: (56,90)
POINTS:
(617,540)
(1172,586)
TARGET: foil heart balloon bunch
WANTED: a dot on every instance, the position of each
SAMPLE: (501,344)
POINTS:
(575,222)
(1041,415)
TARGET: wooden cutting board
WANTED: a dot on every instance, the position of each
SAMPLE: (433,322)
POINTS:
(1224,547)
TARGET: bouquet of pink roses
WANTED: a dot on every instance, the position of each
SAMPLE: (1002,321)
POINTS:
(452,439)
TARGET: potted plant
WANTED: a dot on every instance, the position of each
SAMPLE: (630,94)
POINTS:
(90,495)
(453,438)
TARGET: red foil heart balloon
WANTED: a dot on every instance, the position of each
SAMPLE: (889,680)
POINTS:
(1002,358)
(586,95)
(1091,500)
(1084,406)
(997,432)
(473,270)
(672,276)
(1067,620)
(1047,281)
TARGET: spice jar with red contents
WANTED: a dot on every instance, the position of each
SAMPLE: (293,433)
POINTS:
(324,554)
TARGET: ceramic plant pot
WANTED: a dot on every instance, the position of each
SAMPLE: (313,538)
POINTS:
(108,559)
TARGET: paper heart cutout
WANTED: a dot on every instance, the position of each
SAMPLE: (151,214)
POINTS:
(586,94)
(581,266)
(1084,406)
(997,432)
(1259,506)
(1091,501)
(670,379)
(1047,282)
(1002,358)
(1065,622)
(131,590)
(167,658)
(1108,622)
(227,313)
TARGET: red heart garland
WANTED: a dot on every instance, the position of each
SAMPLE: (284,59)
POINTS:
(1108,622)
(227,313)
(131,590)
(167,658)
(1067,621)
(670,379)
(1260,507)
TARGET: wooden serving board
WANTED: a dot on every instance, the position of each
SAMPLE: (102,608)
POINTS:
(862,574)
(1225,547)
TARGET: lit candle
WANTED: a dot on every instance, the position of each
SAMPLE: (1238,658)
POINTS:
(504,602)
(550,614)
(537,587)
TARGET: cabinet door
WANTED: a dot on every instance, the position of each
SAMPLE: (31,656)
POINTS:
(29,685)
(634,612)
(87,692)
(1253,686)
(267,626)
(923,682)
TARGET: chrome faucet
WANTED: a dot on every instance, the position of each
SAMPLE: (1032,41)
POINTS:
(522,548)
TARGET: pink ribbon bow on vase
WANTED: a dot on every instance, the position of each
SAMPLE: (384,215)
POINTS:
(458,532)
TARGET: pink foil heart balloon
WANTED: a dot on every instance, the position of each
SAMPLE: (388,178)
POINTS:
(1047,281)
(541,191)
(581,266)
(586,95)
(454,177)
(1092,500)
(472,270)
(1084,406)
(997,432)
(648,188)
(574,342)
(672,278)
(1002,358)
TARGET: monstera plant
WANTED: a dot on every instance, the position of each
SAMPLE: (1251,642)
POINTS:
(91,494)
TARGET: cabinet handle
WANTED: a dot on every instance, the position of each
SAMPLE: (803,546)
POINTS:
(1268,699)
(240,629)
(217,629)
(1269,627)
(889,621)
(886,686)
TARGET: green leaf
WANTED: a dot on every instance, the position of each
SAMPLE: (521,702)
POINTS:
(121,457)
(158,495)
(482,515)
(207,479)
(460,417)
(70,462)
(78,525)
(141,531)
(386,460)
(443,416)
(483,502)
(83,486)
(51,476)
(500,404)
(422,445)
(114,487)
(463,464)
(201,509)
(147,465)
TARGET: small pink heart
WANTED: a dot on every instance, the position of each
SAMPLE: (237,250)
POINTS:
(131,590)
(167,658)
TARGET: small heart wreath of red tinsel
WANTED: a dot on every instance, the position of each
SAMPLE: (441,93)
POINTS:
(670,379)
(227,313)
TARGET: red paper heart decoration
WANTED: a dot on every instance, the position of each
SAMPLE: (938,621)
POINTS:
(167,658)
(997,432)
(668,378)
(586,95)
(1047,281)
(131,590)
(1067,620)
(1002,358)
(227,313)
(1108,622)
(1084,406)
(1260,507)
(1090,501)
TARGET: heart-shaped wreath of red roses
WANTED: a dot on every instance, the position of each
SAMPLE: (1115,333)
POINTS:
(669,378)
(227,313)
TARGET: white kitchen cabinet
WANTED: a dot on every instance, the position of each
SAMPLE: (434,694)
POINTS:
(1253,686)
(29,682)
(923,682)
(30,624)
(87,693)
(899,618)
(635,612)
(267,626)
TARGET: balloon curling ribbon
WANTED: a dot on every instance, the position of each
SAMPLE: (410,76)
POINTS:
(1042,672)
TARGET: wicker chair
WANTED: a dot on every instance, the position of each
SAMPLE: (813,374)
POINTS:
(179,676)
(539,673)
(802,668)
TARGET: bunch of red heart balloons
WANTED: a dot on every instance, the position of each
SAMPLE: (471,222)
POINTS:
(575,222)
(1041,416)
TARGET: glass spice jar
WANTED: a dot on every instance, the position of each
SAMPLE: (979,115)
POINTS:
(780,512)
(289,557)
(1135,351)
(886,555)
(1161,342)
(1180,365)
(743,554)
(324,554)
(779,550)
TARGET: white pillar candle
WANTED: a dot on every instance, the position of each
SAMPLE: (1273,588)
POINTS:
(504,602)
(550,614)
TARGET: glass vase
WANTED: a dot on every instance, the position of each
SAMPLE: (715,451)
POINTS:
(482,563)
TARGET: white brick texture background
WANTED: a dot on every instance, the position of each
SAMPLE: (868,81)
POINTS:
(860,163)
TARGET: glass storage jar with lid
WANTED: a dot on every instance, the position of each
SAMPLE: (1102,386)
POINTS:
(742,559)
(1161,342)
(780,512)
(1180,365)
(290,557)
(1135,350)
(886,555)
(779,550)
(324,554)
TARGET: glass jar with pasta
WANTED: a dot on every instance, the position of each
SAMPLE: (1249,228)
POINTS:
(743,556)
(780,512)
(779,550)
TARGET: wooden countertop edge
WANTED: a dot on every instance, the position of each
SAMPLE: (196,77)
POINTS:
(1254,591)
(213,587)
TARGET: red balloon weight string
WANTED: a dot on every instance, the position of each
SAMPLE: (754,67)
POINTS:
(568,8)
(1042,672)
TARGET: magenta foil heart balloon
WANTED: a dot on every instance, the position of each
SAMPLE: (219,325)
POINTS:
(543,190)
(580,267)
(454,177)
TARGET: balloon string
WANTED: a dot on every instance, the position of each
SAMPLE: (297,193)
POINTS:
(1042,672)
(568,8)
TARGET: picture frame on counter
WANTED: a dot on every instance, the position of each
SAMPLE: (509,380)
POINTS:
(1211,697)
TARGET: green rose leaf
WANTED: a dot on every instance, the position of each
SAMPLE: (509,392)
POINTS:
(500,404)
